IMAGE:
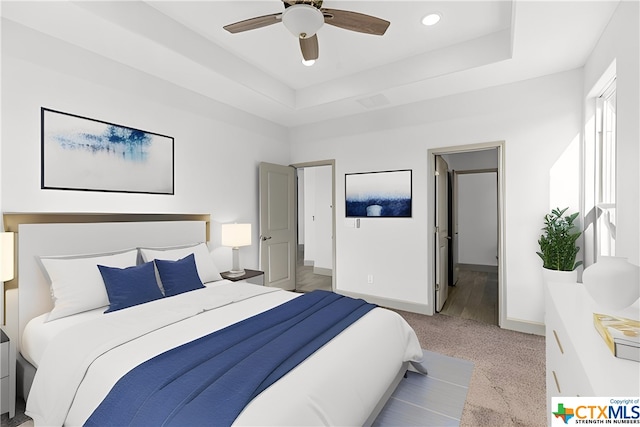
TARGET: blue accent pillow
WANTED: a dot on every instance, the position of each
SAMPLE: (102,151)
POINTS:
(178,276)
(130,286)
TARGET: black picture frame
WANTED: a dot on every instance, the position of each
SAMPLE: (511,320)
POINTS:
(85,154)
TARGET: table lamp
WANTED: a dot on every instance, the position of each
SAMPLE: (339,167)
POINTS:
(236,235)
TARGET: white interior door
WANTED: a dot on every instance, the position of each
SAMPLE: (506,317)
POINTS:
(278,225)
(442,233)
(454,232)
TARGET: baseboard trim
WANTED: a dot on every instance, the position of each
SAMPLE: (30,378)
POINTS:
(524,326)
(323,271)
(388,302)
(518,325)
(479,267)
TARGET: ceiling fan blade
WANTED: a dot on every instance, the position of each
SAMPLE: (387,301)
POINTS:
(355,21)
(309,48)
(253,23)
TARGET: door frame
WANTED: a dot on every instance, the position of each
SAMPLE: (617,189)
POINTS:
(432,153)
(332,163)
(441,262)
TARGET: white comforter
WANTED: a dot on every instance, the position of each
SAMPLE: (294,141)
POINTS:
(340,384)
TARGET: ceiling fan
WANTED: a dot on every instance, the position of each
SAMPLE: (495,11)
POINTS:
(303,18)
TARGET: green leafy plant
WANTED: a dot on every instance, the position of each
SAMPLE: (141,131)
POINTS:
(558,248)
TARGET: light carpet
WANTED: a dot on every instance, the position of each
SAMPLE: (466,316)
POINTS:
(508,386)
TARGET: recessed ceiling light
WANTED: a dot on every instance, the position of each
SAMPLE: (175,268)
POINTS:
(431,19)
(308,63)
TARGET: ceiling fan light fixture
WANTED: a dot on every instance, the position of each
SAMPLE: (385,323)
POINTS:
(431,19)
(302,20)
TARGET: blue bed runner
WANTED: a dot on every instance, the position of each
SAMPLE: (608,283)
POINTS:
(209,381)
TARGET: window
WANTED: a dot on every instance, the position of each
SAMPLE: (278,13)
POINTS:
(605,173)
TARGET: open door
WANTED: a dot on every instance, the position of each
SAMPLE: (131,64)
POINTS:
(442,232)
(278,225)
(453,215)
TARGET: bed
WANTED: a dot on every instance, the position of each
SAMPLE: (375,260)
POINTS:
(75,357)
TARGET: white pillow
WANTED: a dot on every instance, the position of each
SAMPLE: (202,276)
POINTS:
(207,269)
(76,283)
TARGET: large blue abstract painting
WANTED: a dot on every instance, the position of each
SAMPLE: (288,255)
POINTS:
(79,153)
(378,194)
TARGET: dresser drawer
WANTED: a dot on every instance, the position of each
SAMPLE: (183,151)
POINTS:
(567,375)
(566,382)
(562,375)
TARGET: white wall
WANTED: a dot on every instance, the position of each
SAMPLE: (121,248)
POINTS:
(537,119)
(478,218)
(217,148)
(300,202)
(318,218)
(323,222)
(478,206)
(309,212)
(621,42)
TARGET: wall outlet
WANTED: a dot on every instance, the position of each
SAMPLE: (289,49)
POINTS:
(370,279)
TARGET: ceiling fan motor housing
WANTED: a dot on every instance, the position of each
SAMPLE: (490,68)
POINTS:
(302,20)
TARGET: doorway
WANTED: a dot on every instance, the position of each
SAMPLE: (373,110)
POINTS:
(472,201)
(281,258)
(315,258)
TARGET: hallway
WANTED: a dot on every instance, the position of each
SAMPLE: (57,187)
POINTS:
(306,279)
(475,295)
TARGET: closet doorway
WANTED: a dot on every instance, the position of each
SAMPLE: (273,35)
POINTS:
(315,217)
(474,206)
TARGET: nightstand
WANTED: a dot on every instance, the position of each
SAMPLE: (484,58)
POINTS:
(252,276)
(7,376)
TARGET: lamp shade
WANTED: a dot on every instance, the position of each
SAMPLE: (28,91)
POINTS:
(236,235)
(6,256)
(302,20)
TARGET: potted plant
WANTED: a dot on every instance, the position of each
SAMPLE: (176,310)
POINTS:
(558,248)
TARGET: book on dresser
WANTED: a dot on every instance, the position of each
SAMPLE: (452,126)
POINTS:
(621,335)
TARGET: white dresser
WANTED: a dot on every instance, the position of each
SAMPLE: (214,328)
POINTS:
(579,363)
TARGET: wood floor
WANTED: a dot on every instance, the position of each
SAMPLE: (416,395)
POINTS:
(475,295)
(306,279)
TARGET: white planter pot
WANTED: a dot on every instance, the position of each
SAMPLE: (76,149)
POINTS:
(612,282)
(559,276)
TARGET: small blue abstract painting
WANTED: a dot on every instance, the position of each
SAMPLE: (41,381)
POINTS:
(378,194)
(79,153)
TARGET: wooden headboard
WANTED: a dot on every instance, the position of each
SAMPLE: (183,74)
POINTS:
(75,233)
